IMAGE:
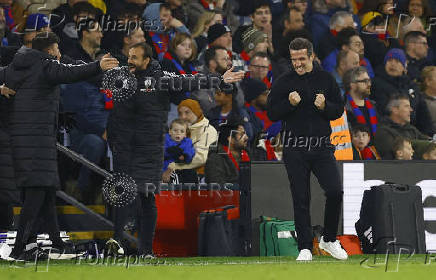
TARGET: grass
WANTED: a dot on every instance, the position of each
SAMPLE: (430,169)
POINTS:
(228,268)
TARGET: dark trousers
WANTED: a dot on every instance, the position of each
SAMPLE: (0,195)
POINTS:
(7,200)
(143,210)
(299,165)
(93,148)
(39,205)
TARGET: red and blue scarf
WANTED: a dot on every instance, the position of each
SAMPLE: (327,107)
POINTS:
(244,157)
(261,115)
(108,100)
(359,115)
(161,42)
(179,67)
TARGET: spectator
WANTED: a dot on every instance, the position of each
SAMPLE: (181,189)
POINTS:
(203,135)
(35,23)
(69,39)
(217,60)
(346,60)
(261,18)
(219,35)
(177,10)
(339,21)
(228,109)
(222,165)
(416,48)
(254,41)
(130,38)
(376,39)
(402,149)
(179,59)
(292,21)
(159,14)
(420,9)
(179,149)
(428,85)
(430,152)
(195,9)
(323,10)
(392,79)
(62,15)
(200,30)
(348,39)
(125,19)
(360,109)
(360,137)
(397,124)
(384,7)
(89,36)
(300,5)
(260,68)
(91,112)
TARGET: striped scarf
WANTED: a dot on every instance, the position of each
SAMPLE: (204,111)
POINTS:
(160,42)
(244,156)
(179,67)
(261,115)
(359,115)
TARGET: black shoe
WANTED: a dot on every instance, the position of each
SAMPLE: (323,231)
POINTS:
(64,251)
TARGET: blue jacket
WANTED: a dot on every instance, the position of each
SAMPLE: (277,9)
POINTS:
(329,63)
(87,102)
(172,154)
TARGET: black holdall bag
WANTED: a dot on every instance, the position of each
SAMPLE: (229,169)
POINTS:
(218,232)
(392,219)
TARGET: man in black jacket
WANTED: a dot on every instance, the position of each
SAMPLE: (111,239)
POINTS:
(136,135)
(35,74)
(306,100)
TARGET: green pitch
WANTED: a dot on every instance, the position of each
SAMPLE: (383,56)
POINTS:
(228,268)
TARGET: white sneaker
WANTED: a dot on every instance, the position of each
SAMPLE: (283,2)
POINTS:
(114,246)
(333,248)
(305,255)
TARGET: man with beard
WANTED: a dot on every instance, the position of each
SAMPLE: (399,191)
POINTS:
(306,100)
(217,61)
(359,108)
(136,136)
(222,165)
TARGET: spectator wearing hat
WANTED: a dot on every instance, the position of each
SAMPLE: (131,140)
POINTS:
(203,135)
(254,41)
(227,108)
(261,20)
(376,38)
(35,23)
(256,94)
(220,35)
(391,79)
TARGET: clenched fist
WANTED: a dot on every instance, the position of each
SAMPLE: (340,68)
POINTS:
(320,101)
(294,98)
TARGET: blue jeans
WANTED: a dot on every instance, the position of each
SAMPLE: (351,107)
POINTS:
(92,147)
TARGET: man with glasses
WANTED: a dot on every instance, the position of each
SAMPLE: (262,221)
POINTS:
(260,68)
(416,47)
(357,86)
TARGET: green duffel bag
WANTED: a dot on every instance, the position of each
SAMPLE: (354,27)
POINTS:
(277,237)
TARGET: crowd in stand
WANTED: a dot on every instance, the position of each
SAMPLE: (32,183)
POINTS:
(382,54)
